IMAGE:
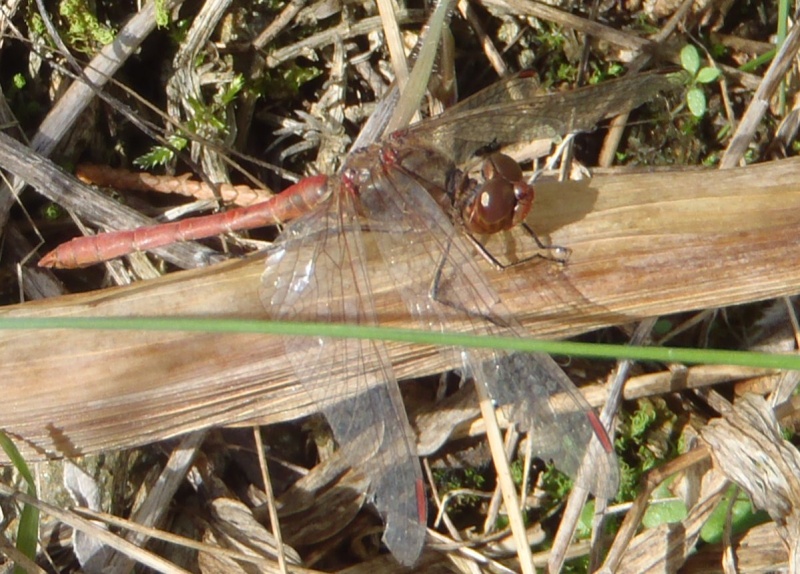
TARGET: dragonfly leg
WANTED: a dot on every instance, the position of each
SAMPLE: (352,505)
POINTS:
(437,293)
(555,253)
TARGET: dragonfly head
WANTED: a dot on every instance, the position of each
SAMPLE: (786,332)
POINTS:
(501,201)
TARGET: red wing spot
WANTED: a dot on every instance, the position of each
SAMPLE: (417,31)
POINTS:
(600,431)
(422,503)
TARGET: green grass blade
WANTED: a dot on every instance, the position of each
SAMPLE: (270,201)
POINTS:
(28,531)
(522,344)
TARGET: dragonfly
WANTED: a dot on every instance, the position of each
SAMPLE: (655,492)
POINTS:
(407,198)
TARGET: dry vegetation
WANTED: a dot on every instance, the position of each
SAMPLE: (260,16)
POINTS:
(259,94)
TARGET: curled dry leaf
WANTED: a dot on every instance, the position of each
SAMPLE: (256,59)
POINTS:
(234,522)
(748,448)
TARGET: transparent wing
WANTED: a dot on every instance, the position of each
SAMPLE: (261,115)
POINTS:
(442,285)
(514,110)
(316,272)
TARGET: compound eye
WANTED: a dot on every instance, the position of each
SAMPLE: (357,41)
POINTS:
(499,165)
(497,202)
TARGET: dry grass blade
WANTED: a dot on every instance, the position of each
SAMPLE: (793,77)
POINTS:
(215,553)
(343,31)
(507,488)
(138,554)
(578,496)
(394,42)
(273,511)
(616,128)
(760,103)
(412,93)
(571,21)
(155,506)
(649,244)
(184,88)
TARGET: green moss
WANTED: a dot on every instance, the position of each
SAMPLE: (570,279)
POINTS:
(84,31)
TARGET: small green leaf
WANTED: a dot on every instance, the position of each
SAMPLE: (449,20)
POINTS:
(743,516)
(19,81)
(664,507)
(52,212)
(584,529)
(233,89)
(161,155)
(517,471)
(664,512)
(690,59)
(157,156)
(615,69)
(663,326)
(296,76)
(707,75)
(696,100)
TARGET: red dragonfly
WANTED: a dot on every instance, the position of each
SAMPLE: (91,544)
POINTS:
(408,192)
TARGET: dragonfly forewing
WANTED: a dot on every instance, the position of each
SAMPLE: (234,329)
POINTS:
(513,110)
